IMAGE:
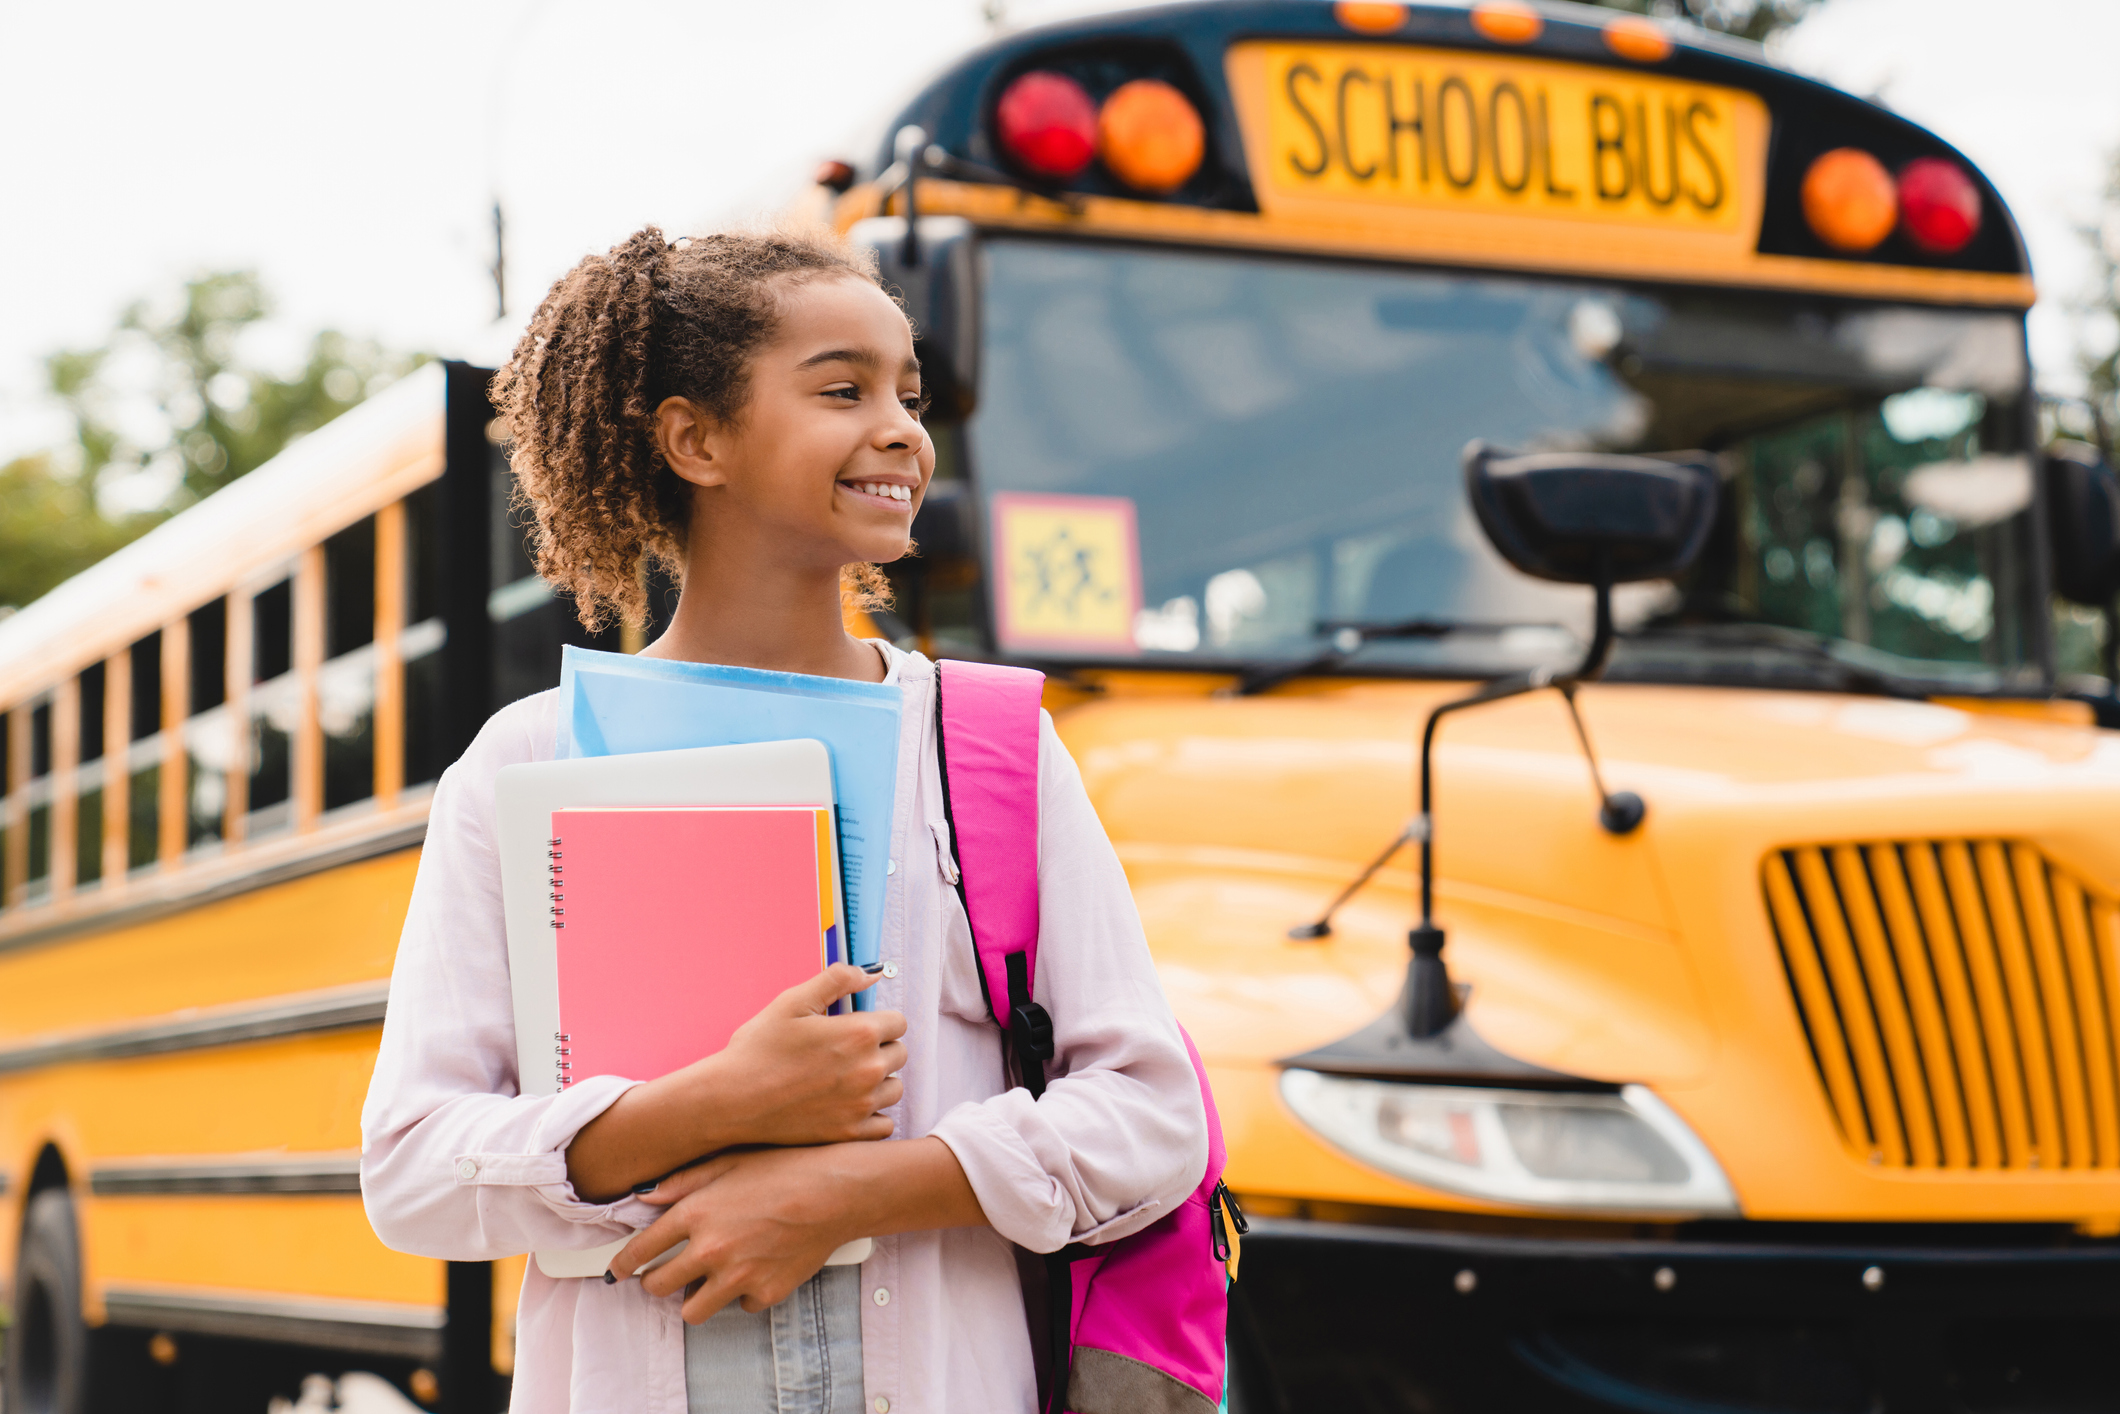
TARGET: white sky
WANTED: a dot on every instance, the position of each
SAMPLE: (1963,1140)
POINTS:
(351,153)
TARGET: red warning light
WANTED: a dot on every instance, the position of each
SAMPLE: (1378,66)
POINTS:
(1938,205)
(1047,123)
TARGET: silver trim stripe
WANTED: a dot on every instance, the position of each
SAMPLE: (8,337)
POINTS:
(369,1327)
(146,902)
(292,1173)
(340,1009)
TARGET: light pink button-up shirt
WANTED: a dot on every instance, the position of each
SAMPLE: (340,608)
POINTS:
(456,1164)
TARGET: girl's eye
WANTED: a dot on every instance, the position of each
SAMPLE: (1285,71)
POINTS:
(850,393)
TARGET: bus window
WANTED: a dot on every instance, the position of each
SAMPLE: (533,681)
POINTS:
(209,744)
(89,776)
(419,646)
(37,789)
(274,710)
(144,757)
(346,682)
(530,623)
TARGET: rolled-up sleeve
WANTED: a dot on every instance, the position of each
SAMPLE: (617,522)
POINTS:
(455,1162)
(1119,1138)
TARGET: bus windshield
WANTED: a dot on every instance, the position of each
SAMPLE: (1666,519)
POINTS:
(1286,436)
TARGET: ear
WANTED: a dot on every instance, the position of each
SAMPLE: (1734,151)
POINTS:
(693,443)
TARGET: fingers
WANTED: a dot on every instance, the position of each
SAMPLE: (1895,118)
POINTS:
(816,995)
(713,1294)
(684,1181)
(753,1291)
(649,1243)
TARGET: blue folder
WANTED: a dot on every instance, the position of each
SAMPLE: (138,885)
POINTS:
(613,704)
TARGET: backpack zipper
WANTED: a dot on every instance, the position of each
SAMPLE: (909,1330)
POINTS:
(1219,1201)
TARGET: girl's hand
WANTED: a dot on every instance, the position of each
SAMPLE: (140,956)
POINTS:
(790,1075)
(757,1225)
(793,1074)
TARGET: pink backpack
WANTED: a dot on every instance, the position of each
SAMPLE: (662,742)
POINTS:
(1140,1325)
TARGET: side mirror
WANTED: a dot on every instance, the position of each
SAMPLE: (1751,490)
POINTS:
(2083,523)
(936,276)
(1589,517)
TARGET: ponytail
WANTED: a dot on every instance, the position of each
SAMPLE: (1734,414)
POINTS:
(617,335)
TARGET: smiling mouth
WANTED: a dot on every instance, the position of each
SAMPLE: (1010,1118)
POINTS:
(888,492)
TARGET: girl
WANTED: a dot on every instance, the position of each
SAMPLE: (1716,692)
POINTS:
(745,411)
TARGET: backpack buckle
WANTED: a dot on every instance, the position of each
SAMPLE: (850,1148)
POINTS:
(1031,1031)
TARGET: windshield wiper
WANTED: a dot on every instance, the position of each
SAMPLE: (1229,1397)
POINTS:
(1807,647)
(1350,636)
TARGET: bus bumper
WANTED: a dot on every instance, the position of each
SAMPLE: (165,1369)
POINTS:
(1365,1320)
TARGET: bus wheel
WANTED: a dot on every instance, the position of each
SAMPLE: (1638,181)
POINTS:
(47,1346)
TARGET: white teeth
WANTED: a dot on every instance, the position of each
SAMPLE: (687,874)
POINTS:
(885,489)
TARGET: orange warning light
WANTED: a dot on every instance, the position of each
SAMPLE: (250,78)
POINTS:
(1639,38)
(1150,136)
(1365,18)
(1850,200)
(1507,21)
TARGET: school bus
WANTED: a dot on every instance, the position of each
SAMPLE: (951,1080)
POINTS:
(1794,1088)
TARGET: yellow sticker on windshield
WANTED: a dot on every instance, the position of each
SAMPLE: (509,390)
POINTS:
(1069,572)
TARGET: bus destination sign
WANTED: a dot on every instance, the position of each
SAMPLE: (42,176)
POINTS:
(1432,130)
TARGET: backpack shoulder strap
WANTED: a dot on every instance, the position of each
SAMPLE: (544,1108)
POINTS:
(986,736)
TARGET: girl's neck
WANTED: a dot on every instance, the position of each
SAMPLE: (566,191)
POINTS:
(747,614)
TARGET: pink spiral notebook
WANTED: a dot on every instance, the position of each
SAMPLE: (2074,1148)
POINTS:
(675,925)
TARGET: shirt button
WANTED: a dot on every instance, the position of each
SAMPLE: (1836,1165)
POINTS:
(890,969)
(467,1169)
(883,1296)
(890,866)
(883,1406)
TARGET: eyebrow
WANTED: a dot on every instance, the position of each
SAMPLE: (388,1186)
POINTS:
(860,358)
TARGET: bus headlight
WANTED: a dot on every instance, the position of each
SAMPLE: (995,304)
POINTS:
(1625,1154)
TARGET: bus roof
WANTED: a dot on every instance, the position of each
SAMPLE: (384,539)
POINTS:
(362,460)
(1239,63)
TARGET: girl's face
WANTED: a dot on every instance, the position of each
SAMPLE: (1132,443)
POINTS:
(828,461)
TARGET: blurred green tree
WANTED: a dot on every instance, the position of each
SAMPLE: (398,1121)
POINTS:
(2102,371)
(170,401)
(51,528)
(1747,19)
(220,416)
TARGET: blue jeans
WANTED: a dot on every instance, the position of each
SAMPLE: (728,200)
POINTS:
(800,1357)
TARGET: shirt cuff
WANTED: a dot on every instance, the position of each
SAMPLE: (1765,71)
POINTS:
(1022,1200)
(544,1167)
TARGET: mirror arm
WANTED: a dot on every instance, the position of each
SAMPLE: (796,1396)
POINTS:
(1430,1001)
(1593,664)
(909,147)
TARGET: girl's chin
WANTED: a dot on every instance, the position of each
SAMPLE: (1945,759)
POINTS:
(883,552)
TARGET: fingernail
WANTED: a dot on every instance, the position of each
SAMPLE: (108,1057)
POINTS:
(610,1279)
(872,968)
(649,1187)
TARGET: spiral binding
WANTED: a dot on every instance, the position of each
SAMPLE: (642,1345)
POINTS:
(560,1048)
(558,913)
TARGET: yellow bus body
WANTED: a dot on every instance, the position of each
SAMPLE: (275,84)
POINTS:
(210,1017)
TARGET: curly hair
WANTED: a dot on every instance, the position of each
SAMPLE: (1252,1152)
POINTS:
(618,334)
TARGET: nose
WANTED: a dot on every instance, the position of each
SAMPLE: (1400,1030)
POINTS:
(900,432)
